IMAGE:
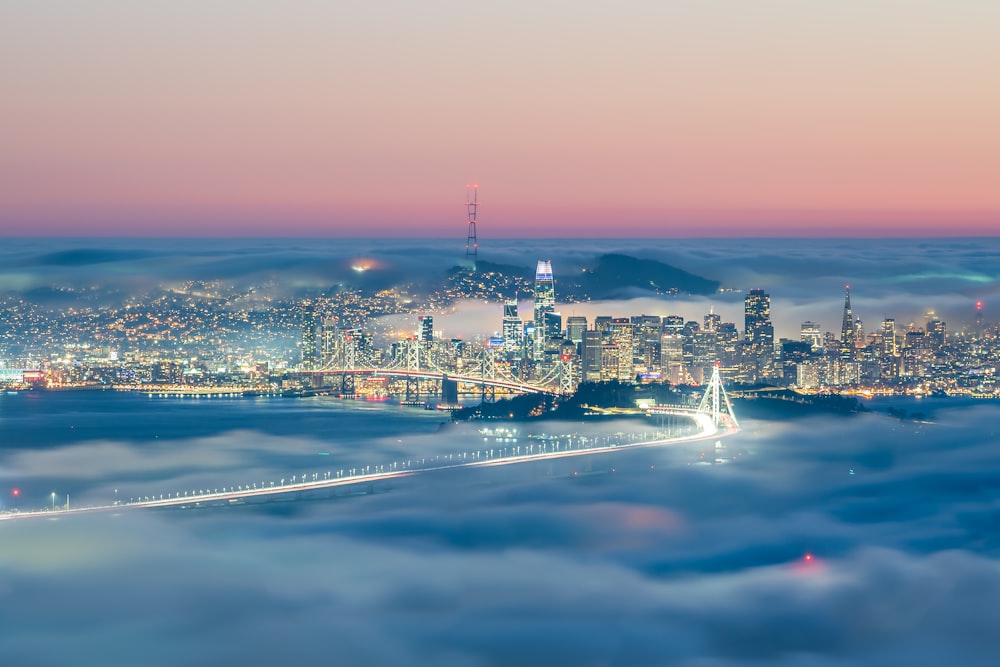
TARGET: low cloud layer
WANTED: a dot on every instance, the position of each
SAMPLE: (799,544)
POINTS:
(663,561)
(900,278)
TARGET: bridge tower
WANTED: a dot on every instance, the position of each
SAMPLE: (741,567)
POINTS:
(488,371)
(413,365)
(565,375)
(472,207)
(412,355)
(715,401)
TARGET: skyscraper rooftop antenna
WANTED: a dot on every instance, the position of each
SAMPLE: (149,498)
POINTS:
(471,206)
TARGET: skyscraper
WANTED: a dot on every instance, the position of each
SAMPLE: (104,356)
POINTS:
(591,355)
(513,331)
(810,333)
(889,337)
(672,324)
(672,357)
(848,334)
(575,326)
(553,325)
(545,300)
(622,334)
(728,344)
(758,342)
(889,366)
(309,339)
(937,331)
(712,321)
(426,329)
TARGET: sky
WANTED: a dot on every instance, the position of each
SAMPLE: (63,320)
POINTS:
(635,118)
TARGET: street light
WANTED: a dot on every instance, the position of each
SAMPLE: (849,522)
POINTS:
(53,500)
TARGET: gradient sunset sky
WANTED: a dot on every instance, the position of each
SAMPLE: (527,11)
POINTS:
(583,118)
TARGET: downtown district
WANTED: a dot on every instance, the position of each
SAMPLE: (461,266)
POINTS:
(207,336)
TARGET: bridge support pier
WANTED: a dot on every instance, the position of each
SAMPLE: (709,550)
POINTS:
(412,389)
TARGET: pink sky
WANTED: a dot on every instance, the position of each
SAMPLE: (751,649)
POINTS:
(680,118)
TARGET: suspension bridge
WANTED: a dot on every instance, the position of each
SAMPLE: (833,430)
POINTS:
(485,372)
(713,418)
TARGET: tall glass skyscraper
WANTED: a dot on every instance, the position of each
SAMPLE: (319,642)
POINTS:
(758,343)
(513,331)
(426,329)
(545,300)
(848,333)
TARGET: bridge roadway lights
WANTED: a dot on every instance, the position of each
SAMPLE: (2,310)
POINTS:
(709,426)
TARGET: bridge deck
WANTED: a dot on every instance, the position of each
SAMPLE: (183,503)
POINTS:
(707,429)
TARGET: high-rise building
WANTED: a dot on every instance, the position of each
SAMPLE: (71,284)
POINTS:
(646,342)
(310,349)
(575,326)
(426,328)
(728,345)
(758,342)
(622,334)
(793,354)
(513,331)
(545,300)
(889,337)
(672,324)
(712,321)
(672,357)
(889,350)
(848,332)
(553,326)
(591,353)
(602,323)
(937,331)
(810,333)
(807,375)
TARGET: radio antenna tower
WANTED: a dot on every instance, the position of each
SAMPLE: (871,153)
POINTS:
(471,205)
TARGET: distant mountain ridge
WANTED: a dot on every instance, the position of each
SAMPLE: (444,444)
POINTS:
(607,277)
(614,273)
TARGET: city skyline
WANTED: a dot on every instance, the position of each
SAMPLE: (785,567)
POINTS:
(173,372)
(210,334)
(719,118)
